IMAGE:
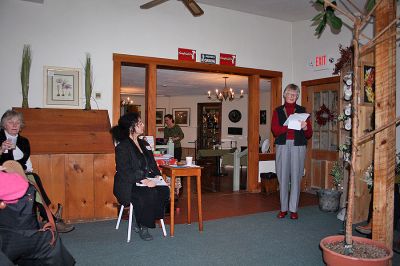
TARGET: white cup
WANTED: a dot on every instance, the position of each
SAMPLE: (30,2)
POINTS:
(189,160)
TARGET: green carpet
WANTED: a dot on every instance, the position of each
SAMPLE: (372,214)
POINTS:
(257,239)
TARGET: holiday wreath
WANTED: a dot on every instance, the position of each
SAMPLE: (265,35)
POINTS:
(324,115)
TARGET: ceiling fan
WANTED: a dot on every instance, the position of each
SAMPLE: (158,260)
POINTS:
(193,7)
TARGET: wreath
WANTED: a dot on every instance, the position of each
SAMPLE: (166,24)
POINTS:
(324,115)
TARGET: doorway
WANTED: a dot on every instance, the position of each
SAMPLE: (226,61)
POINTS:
(320,97)
(151,65)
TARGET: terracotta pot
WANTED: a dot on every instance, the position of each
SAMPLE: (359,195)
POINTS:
(333,258)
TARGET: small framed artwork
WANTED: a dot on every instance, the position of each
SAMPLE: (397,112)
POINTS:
(62,87)
(263,117)
(368,84)
(181,116)
(160,113)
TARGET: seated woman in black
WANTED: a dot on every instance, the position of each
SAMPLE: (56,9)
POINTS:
(13,146)
(134,165)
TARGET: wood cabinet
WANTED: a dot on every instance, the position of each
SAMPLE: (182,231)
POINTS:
(73,153)
(209,125)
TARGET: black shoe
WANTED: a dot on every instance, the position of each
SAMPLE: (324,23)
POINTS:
(62,227)
(144,234)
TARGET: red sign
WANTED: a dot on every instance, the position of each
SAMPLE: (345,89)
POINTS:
(320,60)
(227,59)
(186,54)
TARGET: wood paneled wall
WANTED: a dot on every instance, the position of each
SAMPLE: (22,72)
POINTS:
(82,183)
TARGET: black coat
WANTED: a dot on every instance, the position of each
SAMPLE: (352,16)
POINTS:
(22,144)
(131,167)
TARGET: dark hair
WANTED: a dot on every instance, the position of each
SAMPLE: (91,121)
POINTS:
(9,114)
(126,124)
(170,117)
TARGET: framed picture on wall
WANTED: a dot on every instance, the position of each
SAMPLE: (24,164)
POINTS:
(61,87)
(368,83)
(160,113)
(263,117)
(181,116)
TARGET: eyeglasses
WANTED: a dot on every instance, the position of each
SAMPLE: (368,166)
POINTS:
(291,94)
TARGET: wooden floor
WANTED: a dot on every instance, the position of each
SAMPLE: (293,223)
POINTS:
(225,203)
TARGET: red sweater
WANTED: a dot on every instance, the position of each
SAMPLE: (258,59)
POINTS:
(277,129)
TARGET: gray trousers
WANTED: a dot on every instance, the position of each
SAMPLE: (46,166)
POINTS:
(290,169)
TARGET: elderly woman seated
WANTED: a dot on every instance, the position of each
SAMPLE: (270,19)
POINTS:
(16,147)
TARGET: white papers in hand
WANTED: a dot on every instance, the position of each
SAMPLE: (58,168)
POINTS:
(158,180)
(294,120)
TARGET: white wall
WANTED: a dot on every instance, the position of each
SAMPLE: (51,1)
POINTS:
(61,32)
(306,45)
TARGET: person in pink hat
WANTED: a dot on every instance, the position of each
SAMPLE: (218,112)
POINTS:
(21,239)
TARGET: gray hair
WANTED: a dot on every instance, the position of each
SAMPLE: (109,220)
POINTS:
(10,114)
(292,87)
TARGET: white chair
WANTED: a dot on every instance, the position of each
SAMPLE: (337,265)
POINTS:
(265,146)
(130,222)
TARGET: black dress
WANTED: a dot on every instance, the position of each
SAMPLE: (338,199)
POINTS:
(132,166)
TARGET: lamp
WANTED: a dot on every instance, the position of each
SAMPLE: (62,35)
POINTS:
(126,102)
(225,94)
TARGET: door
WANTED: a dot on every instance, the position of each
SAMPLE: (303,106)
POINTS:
(321,97)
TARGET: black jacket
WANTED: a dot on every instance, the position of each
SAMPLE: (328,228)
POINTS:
(131,167)
(22,144)
(299,137)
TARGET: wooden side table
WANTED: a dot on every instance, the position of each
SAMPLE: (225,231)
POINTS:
(186,171)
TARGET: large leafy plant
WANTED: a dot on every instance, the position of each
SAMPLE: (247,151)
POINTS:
(360,19)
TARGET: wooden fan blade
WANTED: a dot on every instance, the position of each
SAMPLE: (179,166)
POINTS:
(193,7)
(152,3)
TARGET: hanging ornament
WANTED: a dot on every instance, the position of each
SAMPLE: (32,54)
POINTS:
(324,115)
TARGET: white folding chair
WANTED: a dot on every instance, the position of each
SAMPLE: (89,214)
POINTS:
(130,222)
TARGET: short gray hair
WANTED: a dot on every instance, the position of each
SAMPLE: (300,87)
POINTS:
(9,114)
(292,87)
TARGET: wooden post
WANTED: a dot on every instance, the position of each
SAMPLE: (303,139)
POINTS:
(253,132)
(151,100)
(385,111)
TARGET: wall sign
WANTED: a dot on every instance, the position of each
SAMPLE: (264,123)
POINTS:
(186,54)
(208,58)
(227,59)
(321,62)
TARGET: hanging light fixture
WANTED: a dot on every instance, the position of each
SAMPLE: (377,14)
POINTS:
(126,102)
(225,94)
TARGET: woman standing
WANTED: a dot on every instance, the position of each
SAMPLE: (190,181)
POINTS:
(135,164)
(174,132)
(290,151)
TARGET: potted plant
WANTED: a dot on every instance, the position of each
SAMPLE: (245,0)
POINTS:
(343,250)
(329,199)
(88,81)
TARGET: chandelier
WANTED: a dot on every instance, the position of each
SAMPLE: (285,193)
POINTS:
(225,94)
(126,102)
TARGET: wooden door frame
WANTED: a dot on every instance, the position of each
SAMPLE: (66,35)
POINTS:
(306,102)
(254,75)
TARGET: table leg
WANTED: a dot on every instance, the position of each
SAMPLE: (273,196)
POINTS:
(189,210)
(172,206)
(199,207)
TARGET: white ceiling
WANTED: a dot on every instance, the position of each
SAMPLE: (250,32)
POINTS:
(175,83)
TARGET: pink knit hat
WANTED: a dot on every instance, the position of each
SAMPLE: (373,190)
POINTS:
(12,187)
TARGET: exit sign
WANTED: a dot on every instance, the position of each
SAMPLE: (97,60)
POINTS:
(321,62)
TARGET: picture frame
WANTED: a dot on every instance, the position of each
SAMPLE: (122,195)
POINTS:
(62,87)
(181,116)
(263,117)
(160,113)
(368,84)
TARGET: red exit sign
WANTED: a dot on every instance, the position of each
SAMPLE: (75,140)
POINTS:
(320,60)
